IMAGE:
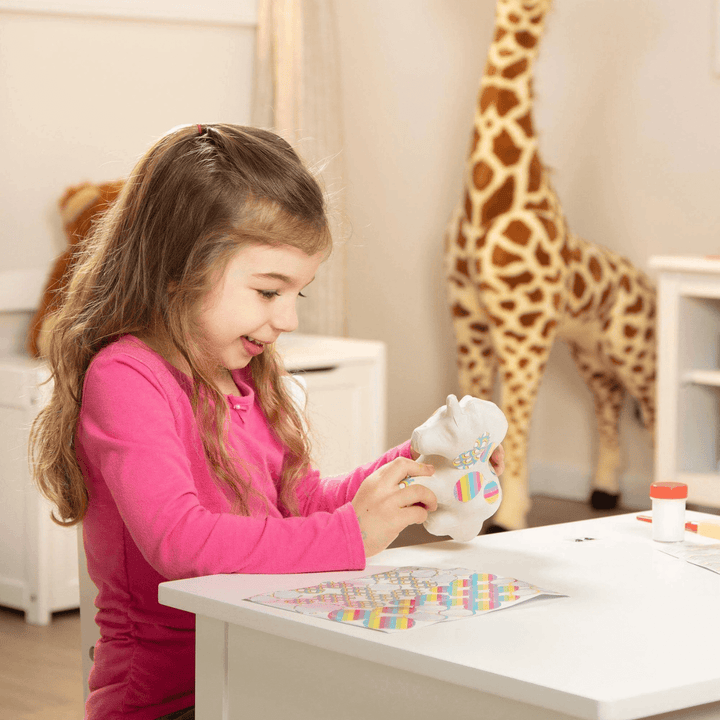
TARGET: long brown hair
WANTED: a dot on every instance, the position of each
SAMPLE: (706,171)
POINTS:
(198,194)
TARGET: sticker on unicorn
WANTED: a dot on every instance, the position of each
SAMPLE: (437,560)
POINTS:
(459,440)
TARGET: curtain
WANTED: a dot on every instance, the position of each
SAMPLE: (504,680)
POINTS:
(297,94)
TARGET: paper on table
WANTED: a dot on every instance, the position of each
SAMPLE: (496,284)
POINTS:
(707,556)
(405,598)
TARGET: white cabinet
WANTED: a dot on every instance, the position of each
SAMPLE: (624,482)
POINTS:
(687,446)
(38,559)
(345,381)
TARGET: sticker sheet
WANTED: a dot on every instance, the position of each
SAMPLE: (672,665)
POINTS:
(405,598)
(707,556)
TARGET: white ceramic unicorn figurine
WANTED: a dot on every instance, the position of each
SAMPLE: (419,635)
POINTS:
(459,440)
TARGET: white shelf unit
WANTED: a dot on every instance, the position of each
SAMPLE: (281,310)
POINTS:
(38,559)
(687,447)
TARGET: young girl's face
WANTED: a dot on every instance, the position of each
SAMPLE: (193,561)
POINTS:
(254,301)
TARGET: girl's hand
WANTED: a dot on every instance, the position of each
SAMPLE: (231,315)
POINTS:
(384,506)
(497,459)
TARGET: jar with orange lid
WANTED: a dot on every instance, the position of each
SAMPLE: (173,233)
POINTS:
(668,511)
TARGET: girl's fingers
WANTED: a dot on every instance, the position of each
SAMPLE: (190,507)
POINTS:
(414,494)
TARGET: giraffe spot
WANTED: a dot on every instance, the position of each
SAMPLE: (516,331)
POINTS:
(477,341)
(468,207)
(525,39)
(500,33)
(505,149)
(615,361)
(557,300)
(636,307)
(535,20)
(502,258)
(529,319)
(642,354)
(508,305)
(479,327)
(514,18)
(550,228)
(507,376)
(490,69)
(517,68)
(526,124)
(549,325)
(567,254)
(499,202)
(498,321)
(630,331)
(649,334)
(515,336)
(542,205)
(504,100)
(606,324)
(482,175)
(534,174)
(552,278)
(518,232)
(537,349)
(456,282)
(472,365)
(579,285)
(536,295)
(625,283)
(605,295)
(461,239)
(542,257)
(595,269)
(613,265)
(522,362)
(628,349)
(459,311)
(512,281)
(486,286)
(463,350)
(462,267)
(521,401)
(487,352)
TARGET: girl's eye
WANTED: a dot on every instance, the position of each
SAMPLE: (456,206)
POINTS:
(268,294)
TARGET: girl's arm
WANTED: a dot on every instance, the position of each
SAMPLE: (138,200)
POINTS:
(142,456)
(327,494)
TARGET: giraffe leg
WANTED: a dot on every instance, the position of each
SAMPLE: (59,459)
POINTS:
(475,357)
(521,369)
(608,395)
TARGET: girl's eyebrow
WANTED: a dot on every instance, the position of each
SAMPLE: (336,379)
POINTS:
(276,276)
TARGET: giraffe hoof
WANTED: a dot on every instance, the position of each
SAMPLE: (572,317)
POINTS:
(495,529)
(601,500)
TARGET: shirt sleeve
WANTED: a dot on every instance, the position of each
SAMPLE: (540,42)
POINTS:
(328,494)
(132,440)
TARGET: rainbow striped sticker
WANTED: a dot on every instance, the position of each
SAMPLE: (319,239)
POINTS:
(491,492)
(468,486)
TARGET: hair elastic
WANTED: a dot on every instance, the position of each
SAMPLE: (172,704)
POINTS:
(201,129)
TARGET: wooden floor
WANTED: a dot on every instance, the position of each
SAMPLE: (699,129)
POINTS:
(41,667)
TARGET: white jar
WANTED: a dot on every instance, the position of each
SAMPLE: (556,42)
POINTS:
(668,511)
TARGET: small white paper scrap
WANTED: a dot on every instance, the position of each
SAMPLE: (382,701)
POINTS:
(707,556)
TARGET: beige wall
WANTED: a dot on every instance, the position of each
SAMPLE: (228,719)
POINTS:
(628,109)
(627,105)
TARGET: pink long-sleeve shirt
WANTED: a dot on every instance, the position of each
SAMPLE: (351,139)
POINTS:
(156,513)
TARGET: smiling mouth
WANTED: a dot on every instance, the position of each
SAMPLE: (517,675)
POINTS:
(254,341)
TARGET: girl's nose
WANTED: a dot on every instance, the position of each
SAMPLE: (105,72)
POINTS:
(285,318)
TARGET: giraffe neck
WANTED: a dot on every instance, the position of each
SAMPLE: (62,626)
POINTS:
(504,149)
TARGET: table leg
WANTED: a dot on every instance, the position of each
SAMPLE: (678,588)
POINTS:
(211,669)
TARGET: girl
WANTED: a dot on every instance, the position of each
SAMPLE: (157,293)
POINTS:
(170,432)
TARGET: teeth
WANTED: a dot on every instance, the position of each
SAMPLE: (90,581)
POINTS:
(253,340)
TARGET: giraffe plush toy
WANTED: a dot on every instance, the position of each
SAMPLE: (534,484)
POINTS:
(518,279)
(458,440)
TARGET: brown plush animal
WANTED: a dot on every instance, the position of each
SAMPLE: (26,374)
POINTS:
(80,206)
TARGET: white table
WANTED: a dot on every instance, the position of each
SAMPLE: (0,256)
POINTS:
(638,635)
